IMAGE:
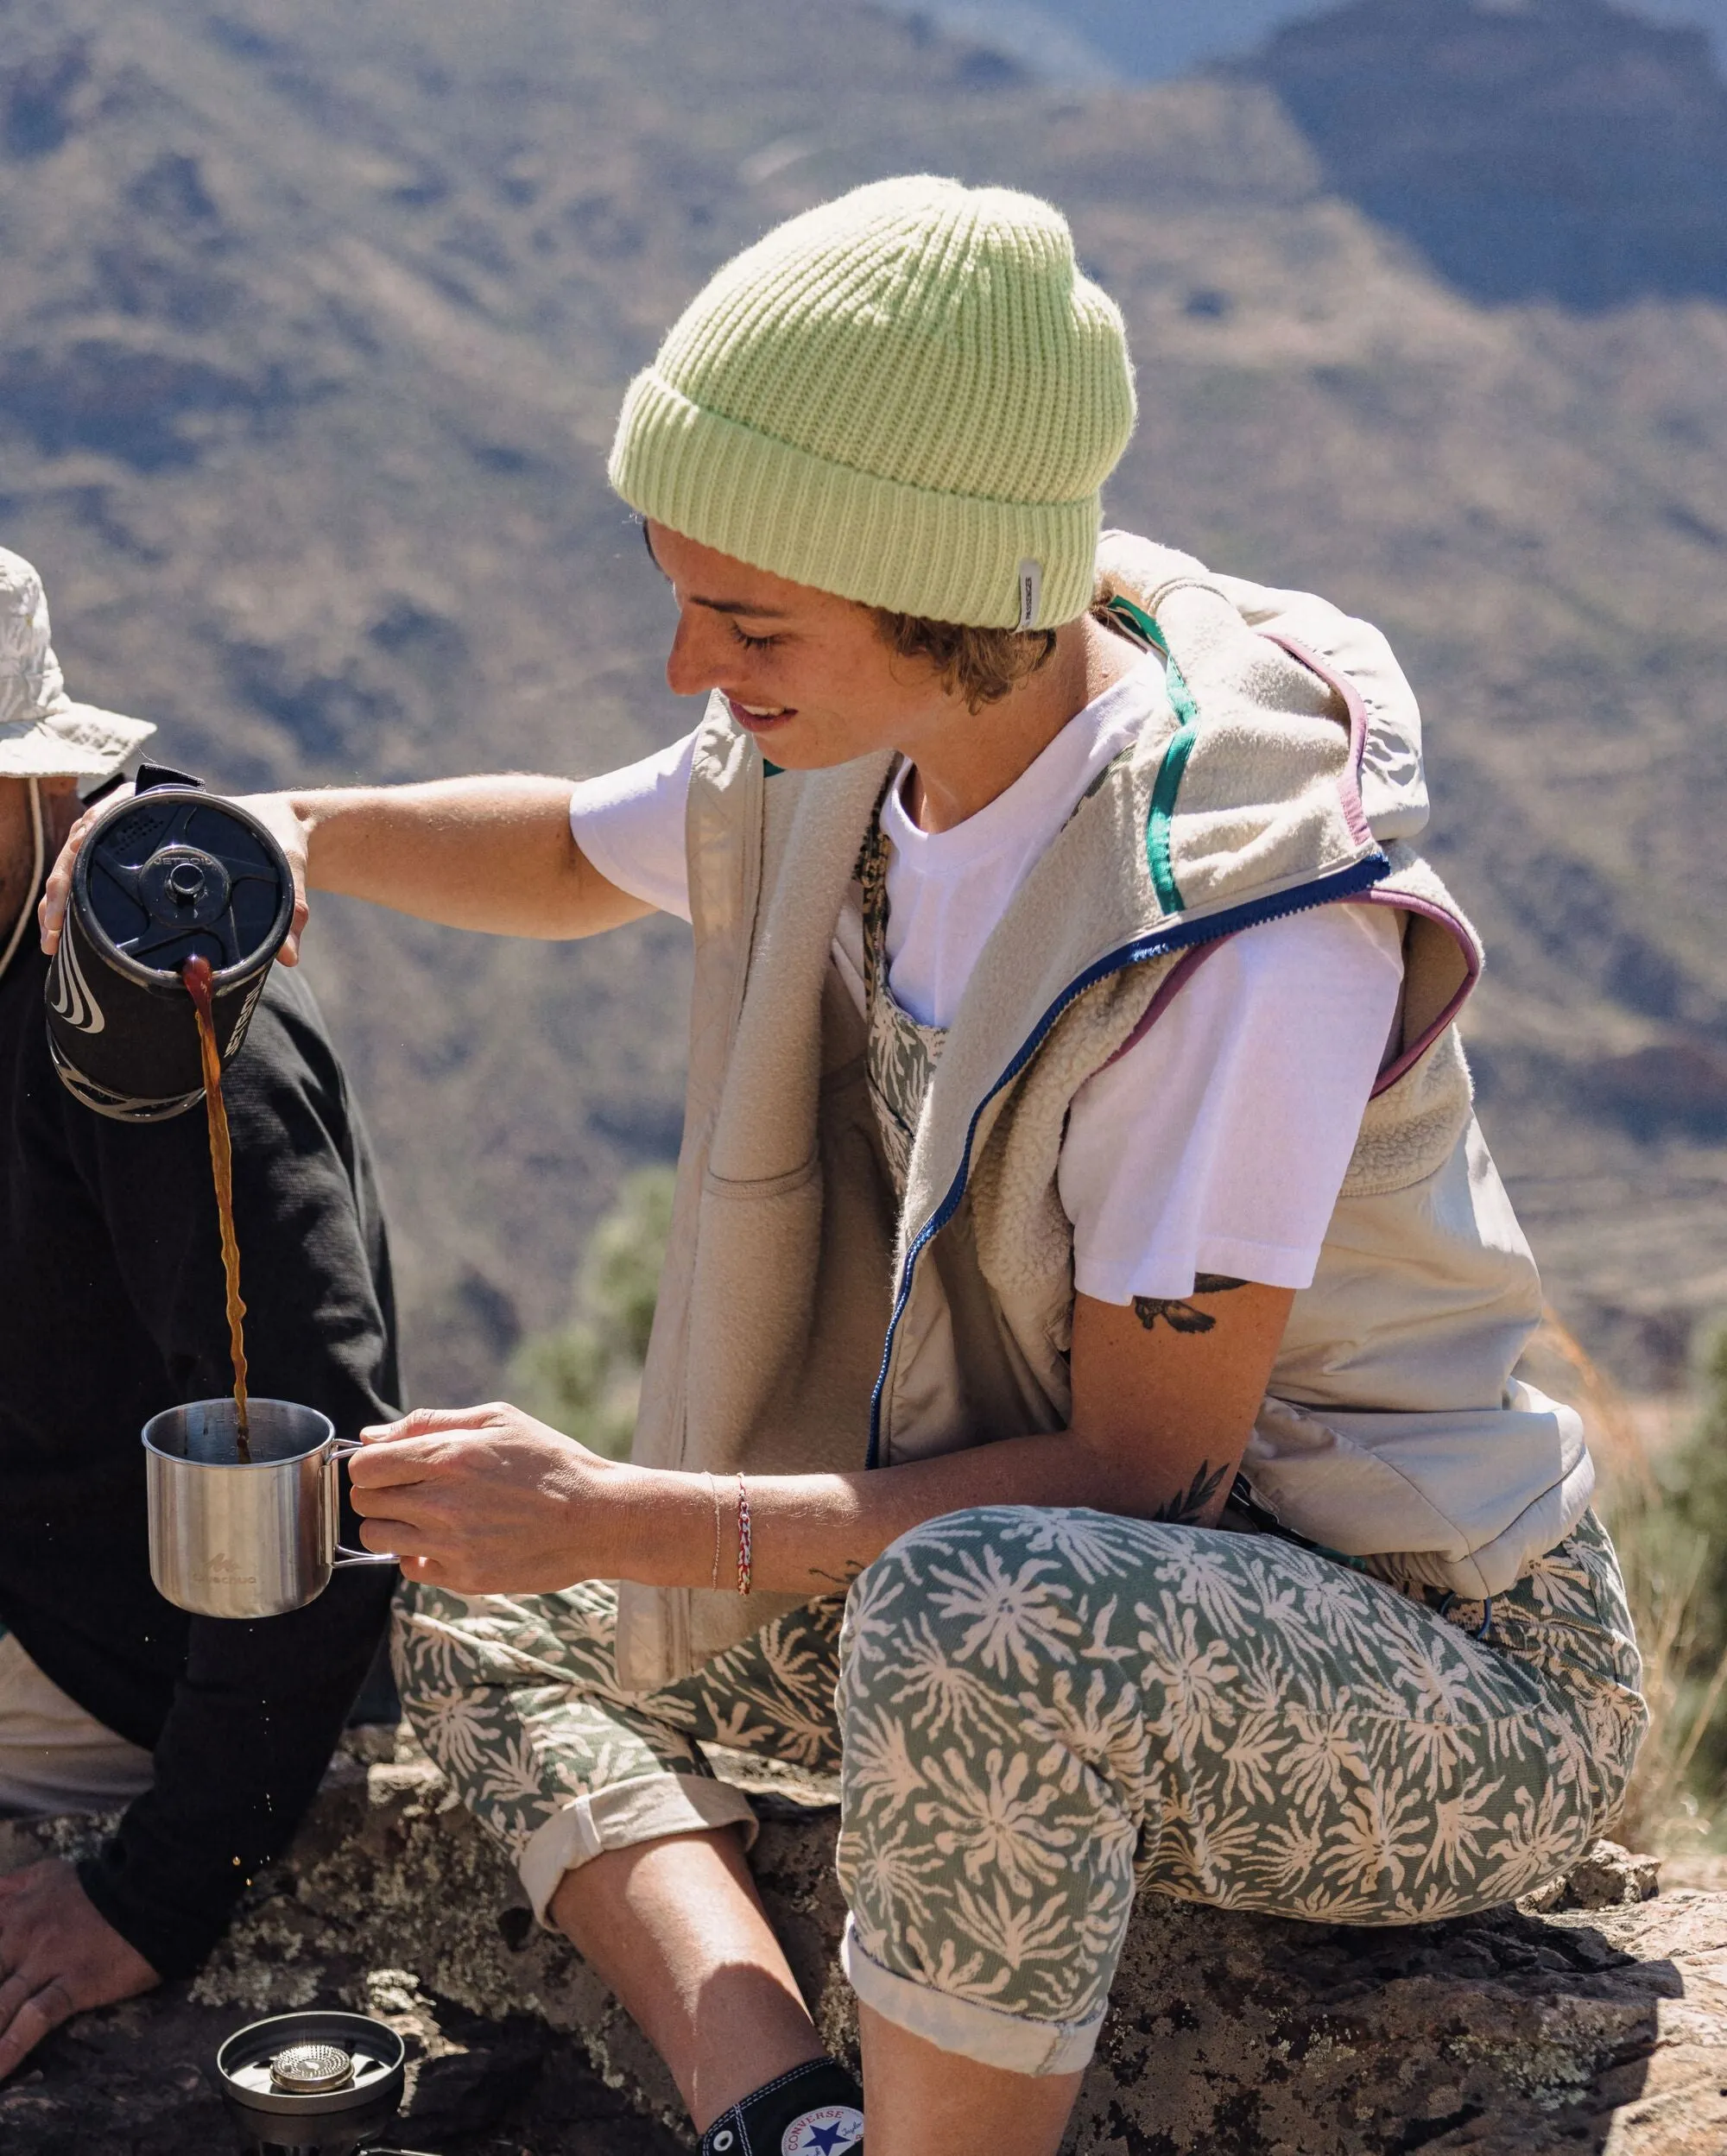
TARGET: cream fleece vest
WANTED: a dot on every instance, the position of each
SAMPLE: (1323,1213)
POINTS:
(805,1325)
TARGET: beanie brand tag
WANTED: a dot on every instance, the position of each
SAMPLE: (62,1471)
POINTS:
(1031,592)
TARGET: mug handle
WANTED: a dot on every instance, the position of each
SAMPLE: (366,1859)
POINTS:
(344,1558)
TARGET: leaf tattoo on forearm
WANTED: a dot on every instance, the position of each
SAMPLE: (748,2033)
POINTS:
(1189,1509)
(1181,1317)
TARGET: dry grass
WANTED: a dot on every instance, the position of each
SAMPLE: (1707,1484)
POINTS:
(1662,1559)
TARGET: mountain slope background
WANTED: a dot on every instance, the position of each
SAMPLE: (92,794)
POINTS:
(313,329)
(1090,41)
(1559,149)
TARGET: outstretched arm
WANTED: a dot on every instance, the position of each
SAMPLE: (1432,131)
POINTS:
(495,854)
(1164,1394)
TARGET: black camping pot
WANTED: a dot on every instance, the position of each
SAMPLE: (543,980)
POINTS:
(311,2085)
(174,873)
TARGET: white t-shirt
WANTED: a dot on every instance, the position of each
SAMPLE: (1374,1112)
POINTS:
(1217,1143)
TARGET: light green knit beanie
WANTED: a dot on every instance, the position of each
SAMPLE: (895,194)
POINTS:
(908,397)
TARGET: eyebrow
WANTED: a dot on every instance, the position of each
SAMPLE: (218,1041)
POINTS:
(737,606)
(718,606)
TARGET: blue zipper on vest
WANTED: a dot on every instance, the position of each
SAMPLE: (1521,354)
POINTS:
(1339,886)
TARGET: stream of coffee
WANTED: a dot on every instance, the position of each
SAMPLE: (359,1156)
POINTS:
(197,977)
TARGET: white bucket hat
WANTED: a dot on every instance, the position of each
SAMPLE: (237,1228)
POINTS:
(43,734)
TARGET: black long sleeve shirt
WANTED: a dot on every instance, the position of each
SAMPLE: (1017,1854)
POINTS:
(110,1308)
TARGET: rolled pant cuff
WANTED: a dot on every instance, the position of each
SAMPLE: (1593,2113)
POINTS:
(1012,2042)
(644,1810)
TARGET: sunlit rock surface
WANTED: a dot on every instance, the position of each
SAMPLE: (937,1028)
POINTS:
(1600,2029)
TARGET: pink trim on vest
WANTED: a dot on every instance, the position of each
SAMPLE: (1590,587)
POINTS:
(1349,787)
(1413,1054)
(1340,686)
(1168,988)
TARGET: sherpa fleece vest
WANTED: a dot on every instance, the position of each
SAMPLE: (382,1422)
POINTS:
(806,1322)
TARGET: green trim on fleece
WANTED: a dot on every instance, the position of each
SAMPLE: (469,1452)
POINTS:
(1157,825)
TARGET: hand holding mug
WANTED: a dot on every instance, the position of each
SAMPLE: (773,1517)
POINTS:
(488,1501)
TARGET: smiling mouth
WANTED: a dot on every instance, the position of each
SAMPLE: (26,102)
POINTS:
(756,718)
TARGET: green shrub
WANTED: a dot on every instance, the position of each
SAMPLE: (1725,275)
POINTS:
(584,1378)
(1667,1515)
(1694,1479)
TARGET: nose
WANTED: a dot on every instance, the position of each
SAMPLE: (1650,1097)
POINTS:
(690,669)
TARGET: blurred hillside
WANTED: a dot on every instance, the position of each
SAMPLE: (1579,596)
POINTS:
(1559,148)
(311,333)
(1153,41)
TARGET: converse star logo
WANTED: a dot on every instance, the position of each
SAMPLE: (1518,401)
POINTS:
(829,2131)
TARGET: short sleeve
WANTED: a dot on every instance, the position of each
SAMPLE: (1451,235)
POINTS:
(1219,1141)
(630,825)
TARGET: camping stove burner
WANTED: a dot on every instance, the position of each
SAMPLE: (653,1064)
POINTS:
(317,2083)
(306,2069)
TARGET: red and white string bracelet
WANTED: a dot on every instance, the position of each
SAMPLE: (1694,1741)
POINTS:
(743,1579)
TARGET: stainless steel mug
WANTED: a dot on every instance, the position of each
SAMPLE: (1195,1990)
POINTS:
(236,1539)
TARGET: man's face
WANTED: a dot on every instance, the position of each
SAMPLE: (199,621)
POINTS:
(807,673)
(17,837)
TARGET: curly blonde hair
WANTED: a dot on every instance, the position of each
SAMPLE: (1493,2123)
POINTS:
(982,665)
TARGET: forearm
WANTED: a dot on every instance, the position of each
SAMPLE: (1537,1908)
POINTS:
(486,1500)
(813,1534)
(492,853)
(240,1757)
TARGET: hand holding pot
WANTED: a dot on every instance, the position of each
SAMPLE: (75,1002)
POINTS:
(487,1501)
(276,812)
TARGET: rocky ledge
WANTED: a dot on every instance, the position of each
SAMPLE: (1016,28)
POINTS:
(1598,2024)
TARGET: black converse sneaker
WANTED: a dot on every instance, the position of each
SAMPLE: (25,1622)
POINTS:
(815,2110)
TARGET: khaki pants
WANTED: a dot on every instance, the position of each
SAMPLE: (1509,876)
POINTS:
(53,1756)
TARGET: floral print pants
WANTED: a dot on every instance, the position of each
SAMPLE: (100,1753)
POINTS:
(1035,1713)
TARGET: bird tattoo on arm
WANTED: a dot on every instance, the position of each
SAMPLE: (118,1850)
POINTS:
(1180,1316)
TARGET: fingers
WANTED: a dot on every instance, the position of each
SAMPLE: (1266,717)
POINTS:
(278,813)
(408,1450)
(39,2015)
(289,952)
(409,1461)
(60,1956)
(408,1542)
(422,1422)
(389,1467)
(51,912)
(394,1538)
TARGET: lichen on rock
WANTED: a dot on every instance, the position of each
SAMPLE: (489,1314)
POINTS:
(1599,2026)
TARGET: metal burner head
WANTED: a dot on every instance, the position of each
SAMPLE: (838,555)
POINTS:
(312,2069)
(311,2085)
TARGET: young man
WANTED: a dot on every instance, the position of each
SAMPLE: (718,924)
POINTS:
(1074,1115)
(212,1736)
